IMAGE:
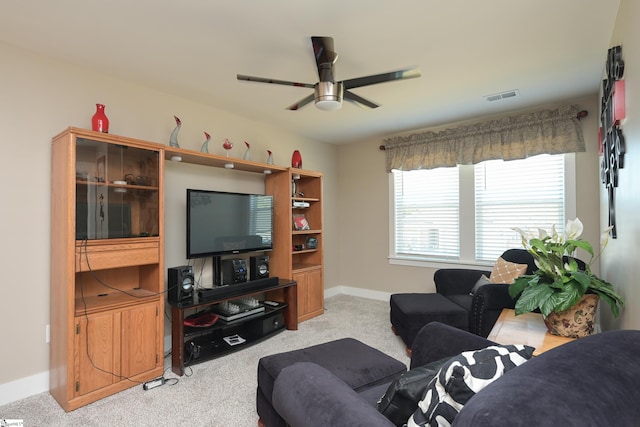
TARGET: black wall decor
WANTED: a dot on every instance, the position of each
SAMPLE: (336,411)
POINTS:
(611,138)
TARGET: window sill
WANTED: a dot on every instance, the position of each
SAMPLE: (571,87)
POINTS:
(438,263)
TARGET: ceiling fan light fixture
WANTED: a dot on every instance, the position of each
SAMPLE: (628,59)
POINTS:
(328,95)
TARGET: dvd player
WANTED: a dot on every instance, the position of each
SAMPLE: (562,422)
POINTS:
(227,291)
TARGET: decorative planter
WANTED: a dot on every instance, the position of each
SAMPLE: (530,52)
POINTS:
(576,322)
(99,121)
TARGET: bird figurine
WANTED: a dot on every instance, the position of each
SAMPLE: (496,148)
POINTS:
(227,145)
(173,139)
(270,158)
(205,144)
(247,154)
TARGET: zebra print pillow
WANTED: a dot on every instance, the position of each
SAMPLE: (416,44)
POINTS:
(462,377)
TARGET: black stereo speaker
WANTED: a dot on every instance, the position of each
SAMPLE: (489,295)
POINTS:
(234,271)
(259,267)
(180,282)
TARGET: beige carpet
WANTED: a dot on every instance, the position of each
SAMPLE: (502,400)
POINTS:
(220,392)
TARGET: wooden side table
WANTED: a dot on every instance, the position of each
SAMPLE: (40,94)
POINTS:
(528,329)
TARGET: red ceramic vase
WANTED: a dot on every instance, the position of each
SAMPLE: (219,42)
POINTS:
(99,121)
(296,159)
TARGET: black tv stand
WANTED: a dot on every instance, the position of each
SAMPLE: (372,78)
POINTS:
(195,345)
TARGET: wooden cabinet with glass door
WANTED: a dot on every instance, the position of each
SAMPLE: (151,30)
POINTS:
(107,265)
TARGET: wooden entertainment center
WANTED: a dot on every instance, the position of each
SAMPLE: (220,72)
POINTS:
(107,259)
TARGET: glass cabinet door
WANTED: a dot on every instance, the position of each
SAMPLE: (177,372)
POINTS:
(116,191)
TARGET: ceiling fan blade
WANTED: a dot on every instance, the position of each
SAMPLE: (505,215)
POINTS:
(273,81)
(325,57)
(301,103)
(358,100)
(323,50)
(407,73)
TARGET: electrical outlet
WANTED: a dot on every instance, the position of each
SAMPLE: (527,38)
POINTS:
(47,334)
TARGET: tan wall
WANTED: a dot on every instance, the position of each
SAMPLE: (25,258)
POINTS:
(619,264)
(364,212)
(38,99)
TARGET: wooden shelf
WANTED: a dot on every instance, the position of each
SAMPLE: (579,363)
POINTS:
(305,267)
(306,231)
(305,173)
(304,251)
(205,159)
(113,300)
(113,185)
(304,199)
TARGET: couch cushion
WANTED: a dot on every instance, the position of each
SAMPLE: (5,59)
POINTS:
(410,312)
(461,378)
(592,381)
(357,364)
(463,300)
(506,272)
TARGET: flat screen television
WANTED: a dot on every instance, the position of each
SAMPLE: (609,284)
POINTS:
(221,223)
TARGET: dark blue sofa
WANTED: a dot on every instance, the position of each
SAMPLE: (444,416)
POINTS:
(593,381)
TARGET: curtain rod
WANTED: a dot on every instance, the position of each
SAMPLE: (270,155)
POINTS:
(580,115)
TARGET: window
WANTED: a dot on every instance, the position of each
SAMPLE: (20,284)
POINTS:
(427,213)
(468,212)
(261,217)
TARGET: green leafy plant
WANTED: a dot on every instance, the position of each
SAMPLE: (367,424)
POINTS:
(559,282)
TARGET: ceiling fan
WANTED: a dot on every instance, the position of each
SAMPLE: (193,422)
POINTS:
(328,94)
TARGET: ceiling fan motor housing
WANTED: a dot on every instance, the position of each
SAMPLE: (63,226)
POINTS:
(328,95)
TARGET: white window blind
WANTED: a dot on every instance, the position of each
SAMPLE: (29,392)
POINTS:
(261,221)
(527,193)
(427,213)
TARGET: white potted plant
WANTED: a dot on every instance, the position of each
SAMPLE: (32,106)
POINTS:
(563,286)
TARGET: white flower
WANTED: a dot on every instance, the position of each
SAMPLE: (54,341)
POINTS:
(521,232)
(554,234)
(573,229)
(542,233)
(604,237)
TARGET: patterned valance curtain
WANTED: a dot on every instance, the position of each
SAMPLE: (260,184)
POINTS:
(551,131)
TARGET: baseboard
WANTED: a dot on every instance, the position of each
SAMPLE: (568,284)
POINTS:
(357,292)
(24,387)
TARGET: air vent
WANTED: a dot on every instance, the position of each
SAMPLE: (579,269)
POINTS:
(502,95)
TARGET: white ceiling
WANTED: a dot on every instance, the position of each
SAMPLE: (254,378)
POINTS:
(549,50)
